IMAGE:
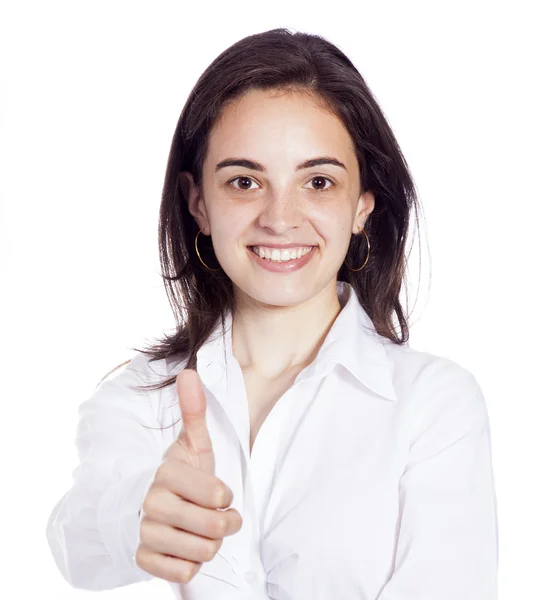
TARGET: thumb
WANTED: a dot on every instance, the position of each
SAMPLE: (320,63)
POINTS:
(194,435)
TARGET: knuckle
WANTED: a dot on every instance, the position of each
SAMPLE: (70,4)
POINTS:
(237,520)
(234,520)
(219,526)
(142,530)
(158,509)
(220,494)
(141,558)
(150,503)
(147,531)
(186,573)
(164,472)
(163,513)
(209,550)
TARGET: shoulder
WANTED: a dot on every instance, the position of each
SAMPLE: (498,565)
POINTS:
(424,370)
(120,390)
(137,370)
(430,387)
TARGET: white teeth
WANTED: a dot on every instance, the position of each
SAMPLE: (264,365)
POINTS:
(281,255)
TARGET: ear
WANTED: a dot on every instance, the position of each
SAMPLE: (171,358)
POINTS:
(365,206)
(192,194)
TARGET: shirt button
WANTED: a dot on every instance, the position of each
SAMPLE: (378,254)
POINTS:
(250,576)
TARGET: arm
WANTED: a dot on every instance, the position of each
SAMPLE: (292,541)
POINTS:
(93,530)
(448,536)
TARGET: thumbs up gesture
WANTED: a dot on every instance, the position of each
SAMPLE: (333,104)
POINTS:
(180,525)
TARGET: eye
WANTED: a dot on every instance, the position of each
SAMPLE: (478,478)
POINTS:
(244,179)
(321,178)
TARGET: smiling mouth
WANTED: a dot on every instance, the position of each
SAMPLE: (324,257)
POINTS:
(281,254)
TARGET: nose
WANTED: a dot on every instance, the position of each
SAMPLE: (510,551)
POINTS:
(281,212)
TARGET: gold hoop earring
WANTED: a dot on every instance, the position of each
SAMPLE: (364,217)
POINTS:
(198,253)
(368,253)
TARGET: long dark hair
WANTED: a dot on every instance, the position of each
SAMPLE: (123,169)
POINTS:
(273,60)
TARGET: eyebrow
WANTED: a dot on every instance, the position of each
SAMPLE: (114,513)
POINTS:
(255,166)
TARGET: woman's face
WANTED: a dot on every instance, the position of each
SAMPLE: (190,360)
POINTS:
(264,195)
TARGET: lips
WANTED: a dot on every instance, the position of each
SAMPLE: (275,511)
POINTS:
(282,246)
(286,266)
(305,249)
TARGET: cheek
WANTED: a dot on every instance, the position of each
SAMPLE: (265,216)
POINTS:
(223,217)
(339,242)
(227,232)
(333,226)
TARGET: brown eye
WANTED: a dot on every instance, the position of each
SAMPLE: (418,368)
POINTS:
(319,183)
(244,183)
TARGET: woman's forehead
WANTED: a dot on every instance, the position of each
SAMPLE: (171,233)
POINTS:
(275,127)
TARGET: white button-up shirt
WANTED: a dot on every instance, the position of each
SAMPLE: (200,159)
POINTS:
(370,478)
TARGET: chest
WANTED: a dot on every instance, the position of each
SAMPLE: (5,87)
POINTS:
(323,493)
(262,394)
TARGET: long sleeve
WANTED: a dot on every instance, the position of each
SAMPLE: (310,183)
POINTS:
(448,537)
(93,530)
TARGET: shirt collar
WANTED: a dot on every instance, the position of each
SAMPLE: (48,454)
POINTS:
(352,342)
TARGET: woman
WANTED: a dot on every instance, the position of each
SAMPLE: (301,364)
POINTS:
(353,466)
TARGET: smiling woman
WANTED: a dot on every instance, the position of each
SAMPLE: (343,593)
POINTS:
(359,466)
(281,202)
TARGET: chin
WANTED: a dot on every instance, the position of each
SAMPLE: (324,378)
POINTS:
(279,294)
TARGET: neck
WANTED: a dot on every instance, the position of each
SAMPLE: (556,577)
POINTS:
(274,340)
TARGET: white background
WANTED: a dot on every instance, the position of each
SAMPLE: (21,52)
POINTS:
(90,96)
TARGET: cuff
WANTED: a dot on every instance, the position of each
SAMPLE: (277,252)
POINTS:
(118,519)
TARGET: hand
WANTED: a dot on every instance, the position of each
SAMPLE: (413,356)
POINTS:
(181,525)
